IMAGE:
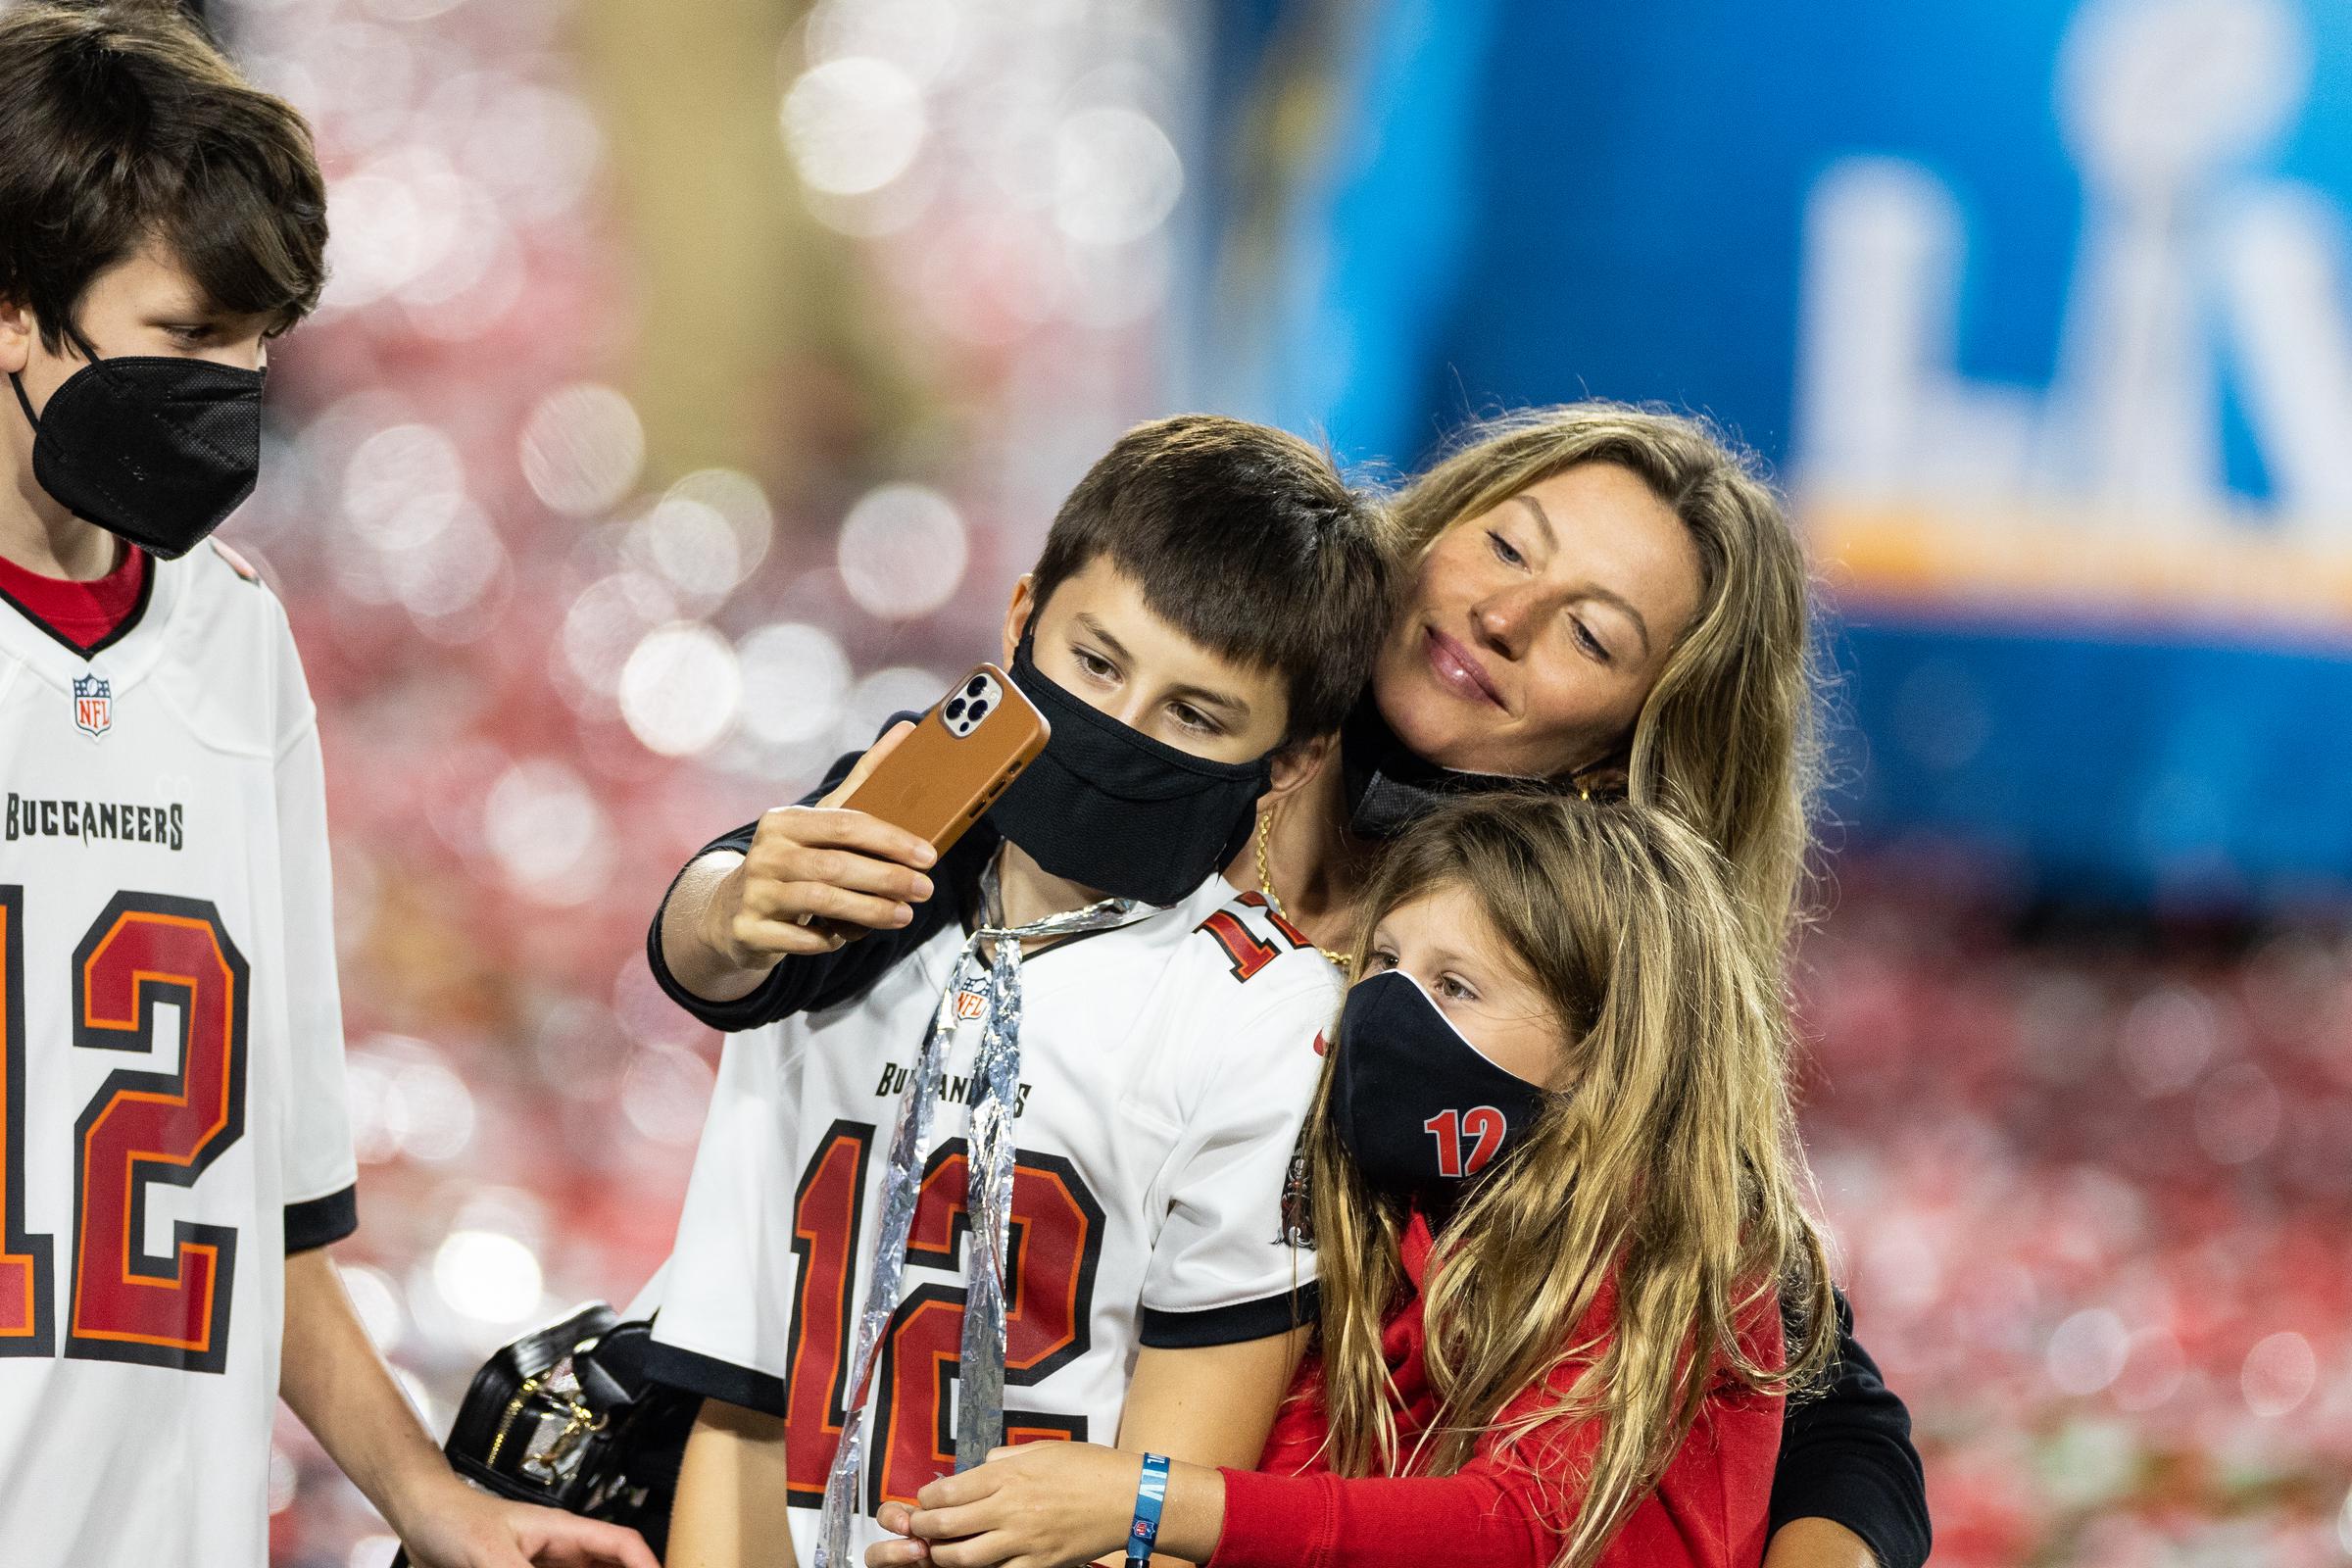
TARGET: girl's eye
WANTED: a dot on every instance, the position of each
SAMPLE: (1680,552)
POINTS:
(1453,989)
(1504,551)
(1378,962)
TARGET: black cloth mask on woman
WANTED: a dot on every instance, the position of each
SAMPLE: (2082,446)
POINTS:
(1419,1109)
(1389,788)
(1113,809)
(158,450)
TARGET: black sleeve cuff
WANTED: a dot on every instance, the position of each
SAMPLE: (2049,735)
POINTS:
(1879,1503)
(747,1012)
(1846,1456)
(714,1379)
(319,1222)
(1236,1324)
(770,1001)
(795,985)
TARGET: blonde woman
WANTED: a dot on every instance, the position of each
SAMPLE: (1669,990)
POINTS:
(1609,598)
(1553,1186)
(1600,595)
(1605,598)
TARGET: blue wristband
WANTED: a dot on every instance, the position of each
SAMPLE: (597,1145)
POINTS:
(1151,1494)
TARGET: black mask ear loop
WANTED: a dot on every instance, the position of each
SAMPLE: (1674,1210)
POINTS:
(16,378)
(1024,647)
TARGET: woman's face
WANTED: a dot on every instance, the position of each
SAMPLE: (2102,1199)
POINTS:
(1534,632)
(1445,940)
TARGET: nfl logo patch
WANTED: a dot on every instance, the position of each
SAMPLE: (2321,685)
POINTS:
(93,705)
(968,1003)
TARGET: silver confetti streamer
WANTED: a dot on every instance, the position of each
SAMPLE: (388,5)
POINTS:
(980,1423)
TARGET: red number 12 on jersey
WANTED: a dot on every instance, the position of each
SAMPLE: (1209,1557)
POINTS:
(1057,1234)
(140,1128)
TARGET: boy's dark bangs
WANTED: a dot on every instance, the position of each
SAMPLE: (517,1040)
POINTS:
(1220,603)
(252,246)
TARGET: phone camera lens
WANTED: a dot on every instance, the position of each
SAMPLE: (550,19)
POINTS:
(955,709)
(979,684)
(979,709)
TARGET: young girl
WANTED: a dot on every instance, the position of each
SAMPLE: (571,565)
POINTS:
(1553,1185)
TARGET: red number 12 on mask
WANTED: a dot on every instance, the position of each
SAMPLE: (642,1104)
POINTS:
(1481,1126)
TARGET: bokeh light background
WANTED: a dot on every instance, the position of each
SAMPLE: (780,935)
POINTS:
(694,379)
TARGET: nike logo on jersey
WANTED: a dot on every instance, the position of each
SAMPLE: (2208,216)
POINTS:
(92,821)
(952,1090)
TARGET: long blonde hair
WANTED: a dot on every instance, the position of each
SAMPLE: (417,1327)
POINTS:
(1670,1166)
(1729,738)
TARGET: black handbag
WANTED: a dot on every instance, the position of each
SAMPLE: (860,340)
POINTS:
(567,1418)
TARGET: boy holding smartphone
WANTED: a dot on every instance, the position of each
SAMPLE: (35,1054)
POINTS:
(1204,613)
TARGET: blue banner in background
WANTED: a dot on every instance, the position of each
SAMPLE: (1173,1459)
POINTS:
(2042,312)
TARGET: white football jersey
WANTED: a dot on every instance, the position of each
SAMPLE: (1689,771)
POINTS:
(174,1106)
(1165,1071)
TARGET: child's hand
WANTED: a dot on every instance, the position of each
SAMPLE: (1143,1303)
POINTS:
(1037,1506)
(897,1519)
(814,870)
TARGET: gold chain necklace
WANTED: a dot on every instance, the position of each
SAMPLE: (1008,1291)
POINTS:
(1265,885)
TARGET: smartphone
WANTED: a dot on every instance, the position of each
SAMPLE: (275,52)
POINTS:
(963,754)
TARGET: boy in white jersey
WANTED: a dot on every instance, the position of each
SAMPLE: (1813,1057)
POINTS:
(174,1149)
(1205,611)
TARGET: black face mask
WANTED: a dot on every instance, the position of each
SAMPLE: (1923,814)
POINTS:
(156,450)
(1390,788)
(1117,810)
(1418,1108)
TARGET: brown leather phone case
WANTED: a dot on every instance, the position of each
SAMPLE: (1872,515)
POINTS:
(962,752)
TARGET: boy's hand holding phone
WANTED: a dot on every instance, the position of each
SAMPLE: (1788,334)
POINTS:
(819,864)
(818,876)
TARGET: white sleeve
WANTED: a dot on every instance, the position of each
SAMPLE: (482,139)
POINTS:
(320,1173)
(724,1325)
(1225,1267)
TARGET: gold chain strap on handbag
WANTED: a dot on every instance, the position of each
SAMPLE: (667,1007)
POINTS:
(578,1423)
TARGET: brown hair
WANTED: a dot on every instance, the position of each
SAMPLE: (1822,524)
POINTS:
(1729,737)
(1248,540)
(121,125)
(1670,1167)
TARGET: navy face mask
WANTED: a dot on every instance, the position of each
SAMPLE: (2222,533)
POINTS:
(1113,809)
(1418,1107)
(158,450)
